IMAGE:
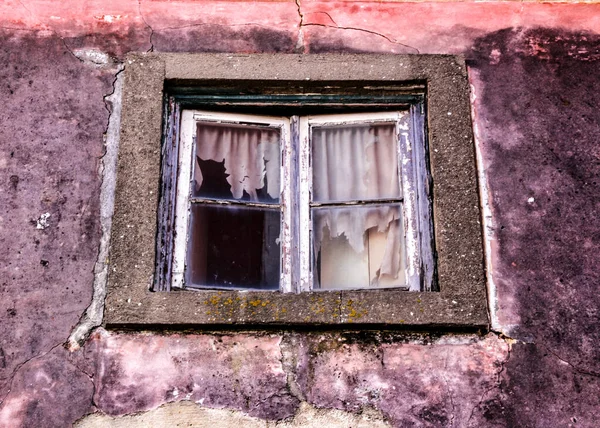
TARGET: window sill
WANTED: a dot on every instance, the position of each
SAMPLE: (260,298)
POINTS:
(324,308)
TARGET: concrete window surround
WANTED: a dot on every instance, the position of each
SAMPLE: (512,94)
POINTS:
(461,301)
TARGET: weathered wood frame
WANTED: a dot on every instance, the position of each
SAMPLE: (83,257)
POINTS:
(417,269)
(461,301)
(413,176)
(188,120)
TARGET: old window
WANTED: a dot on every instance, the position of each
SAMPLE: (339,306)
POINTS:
(316,168)
(343,190)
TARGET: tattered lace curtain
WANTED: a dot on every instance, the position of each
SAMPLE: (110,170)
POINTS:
(358,163)
(350,163)
(251,155)
(245,165)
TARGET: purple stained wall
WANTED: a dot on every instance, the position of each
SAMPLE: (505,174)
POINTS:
(536,108)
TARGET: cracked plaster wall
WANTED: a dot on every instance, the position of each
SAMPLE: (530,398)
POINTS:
(533,69)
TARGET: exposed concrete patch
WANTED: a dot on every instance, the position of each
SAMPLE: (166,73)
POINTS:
(291,351)
(187,414)
(93,315)
(311,417)
(178,414)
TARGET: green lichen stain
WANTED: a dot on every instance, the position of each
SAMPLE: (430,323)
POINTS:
(353,313)
(318,305)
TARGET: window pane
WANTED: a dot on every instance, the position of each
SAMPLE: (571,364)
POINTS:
(237,162)
(355,162)
(233,247)
(358,247)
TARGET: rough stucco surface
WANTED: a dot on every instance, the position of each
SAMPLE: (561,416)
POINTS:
(53,117)
(241,372)
(534,73)
(539,114)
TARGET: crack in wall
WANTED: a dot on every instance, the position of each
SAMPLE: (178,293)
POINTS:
(93,315)
(67,46)
(497,383)
(91,379)
(300,47)
(573,366)
(147,26)
(204,24)
(449,390)
(329,16)
(389,39)
(20,366)
(43,25)
(26,8)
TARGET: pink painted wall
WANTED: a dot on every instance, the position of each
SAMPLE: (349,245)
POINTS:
(536,103)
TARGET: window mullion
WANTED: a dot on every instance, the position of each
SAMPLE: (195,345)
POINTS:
(305,185)
(287,242)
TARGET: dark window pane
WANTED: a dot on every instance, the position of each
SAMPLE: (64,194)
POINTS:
(355,162)
(237,162)
(233,247)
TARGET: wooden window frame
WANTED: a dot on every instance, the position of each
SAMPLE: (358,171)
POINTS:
(159,86)
(418,252)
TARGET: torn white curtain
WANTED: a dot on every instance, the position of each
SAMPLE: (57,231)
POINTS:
(354,163)
(358,163)
(250,155)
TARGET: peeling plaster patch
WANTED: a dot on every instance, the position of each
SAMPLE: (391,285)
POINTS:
(291,351)
(108,170)
(93,57)
(109,18)
(42,222)
(191,415)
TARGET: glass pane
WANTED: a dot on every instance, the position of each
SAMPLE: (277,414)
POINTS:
(353,163)
(233,247)
(358,247)
(239,162)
